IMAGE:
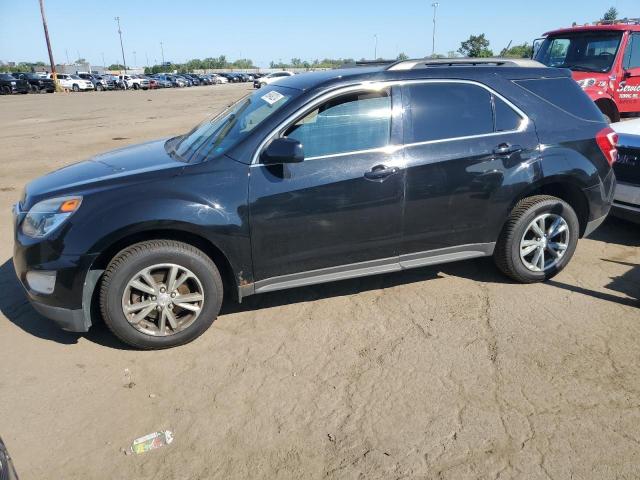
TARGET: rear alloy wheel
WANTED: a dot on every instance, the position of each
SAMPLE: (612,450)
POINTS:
(160,293)
(75,87)
(538,240)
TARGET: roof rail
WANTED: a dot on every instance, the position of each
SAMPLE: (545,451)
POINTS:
(464,62)
(368,63)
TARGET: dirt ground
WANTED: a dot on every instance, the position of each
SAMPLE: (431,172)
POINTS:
(448,372)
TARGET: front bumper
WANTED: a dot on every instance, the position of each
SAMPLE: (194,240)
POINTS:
(69,304)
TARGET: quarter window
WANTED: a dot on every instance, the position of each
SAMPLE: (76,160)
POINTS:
(506,119)
(353,122)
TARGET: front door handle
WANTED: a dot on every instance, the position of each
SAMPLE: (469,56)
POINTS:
(380,172)
(506,149)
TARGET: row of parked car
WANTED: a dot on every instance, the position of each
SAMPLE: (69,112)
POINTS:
(26,82)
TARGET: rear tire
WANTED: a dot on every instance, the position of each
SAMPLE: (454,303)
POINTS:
(118,293)
(522,237)
(75,88)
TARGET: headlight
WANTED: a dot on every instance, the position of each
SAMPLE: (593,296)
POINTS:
(47,215)
(13,83)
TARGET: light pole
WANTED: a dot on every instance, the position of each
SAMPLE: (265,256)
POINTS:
(46,36)
(435,6)
(135,59)
(104,67)
(124,62)
(375,48)
(162,51)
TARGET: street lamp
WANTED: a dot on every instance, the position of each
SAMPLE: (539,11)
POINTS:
(135,59)
(435,6)
(162,51)
(124,62)
(375,48)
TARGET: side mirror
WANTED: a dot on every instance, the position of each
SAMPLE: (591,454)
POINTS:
(283,150)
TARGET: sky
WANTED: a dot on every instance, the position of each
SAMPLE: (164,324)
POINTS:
(277,30)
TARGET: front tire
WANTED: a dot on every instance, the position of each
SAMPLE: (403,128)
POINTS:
(160,293)
(538,240)
(75,88)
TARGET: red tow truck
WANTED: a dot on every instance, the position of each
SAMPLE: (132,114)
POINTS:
(604,59)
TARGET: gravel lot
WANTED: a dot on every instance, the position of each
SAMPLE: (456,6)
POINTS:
(449,372)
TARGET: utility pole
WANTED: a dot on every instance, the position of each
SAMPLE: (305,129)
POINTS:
(147,57)
(162,51)
(435,6)
(135,59)
(124,62)
(104,67)
(46,36)
(375,48)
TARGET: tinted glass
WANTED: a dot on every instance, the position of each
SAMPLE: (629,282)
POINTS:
(447,110)
(506,119)
(632,54)
(565,94)
(214,137)
(358,121)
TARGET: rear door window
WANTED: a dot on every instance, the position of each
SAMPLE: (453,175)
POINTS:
(448,110)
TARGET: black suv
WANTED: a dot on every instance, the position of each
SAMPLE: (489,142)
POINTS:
(37,83)
(320,177)
(10,84)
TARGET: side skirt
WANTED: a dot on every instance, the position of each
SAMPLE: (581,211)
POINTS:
(372,267)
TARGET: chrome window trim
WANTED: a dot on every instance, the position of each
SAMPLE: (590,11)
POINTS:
(373,86)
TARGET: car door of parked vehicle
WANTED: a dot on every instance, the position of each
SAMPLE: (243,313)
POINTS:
(628,92)
(461,142)
(342,205)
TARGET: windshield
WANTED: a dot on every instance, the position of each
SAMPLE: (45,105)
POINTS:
(582,52)
(75,77)
(216,136)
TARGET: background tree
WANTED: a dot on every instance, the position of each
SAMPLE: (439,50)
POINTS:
(518,51)
(611,14)
(476,46)
(402,56)
(115,66)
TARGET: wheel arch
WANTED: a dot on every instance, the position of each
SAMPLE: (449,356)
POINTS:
(564,188)
(219,258)
(609,108)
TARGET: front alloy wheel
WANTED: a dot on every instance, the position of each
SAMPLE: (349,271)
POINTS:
(163,299)
(160,293)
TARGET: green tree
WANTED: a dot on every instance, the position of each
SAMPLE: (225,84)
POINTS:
(518,51)
(115,66)
(476,46)
(611,14)
(402,56)
(81,60)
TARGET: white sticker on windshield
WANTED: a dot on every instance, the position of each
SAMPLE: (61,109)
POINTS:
(272,97)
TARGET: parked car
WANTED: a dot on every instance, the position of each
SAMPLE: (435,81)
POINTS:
(10,84)
(626,203)
(73,82)
(99,84)
(188,81)
(219,78)
(605,60)
(36,83)
(320,177)
(270,78)
(194,79)
(163,82)
(136,82)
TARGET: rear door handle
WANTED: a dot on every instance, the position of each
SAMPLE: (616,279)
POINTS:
(380,172)
(506,149)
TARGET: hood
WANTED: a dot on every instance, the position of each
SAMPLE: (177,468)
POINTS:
(146,159)
(591,80)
